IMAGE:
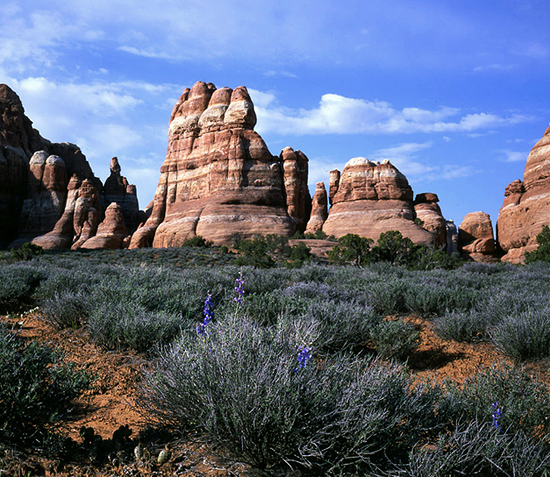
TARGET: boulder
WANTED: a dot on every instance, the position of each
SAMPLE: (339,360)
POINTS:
(319,212)
(526,206)
(370,198)
(219,179)
(475,237)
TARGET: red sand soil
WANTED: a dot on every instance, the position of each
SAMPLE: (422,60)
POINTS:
(108,405)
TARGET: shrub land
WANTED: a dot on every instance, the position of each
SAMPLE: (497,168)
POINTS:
(298,367)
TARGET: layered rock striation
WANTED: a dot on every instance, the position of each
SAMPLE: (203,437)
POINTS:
(219,179)
(369,198)
(526,206)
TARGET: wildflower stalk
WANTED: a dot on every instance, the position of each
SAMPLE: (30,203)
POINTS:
(208,312)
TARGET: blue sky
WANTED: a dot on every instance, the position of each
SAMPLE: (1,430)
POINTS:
(455,94)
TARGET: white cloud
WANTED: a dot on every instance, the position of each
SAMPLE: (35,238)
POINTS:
(495,67)
(405,158)
(147,53)
(513,156)
(338,114)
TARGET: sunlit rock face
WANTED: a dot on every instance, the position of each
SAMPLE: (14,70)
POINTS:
(319,212)
(219,179)
(475,237)
(369,198)
(526,206)
(430,216)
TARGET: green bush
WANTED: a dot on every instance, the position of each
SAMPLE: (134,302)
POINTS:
(28,251)
(196,241)
(352,249)
(542,253)
(36,388)
(393,247)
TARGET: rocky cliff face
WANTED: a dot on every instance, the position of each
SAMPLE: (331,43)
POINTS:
(219,179)
(48,192)
(526,206)
(370,198)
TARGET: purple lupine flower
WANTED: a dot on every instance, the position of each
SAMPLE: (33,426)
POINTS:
(497,414)
(239,282)
(208,314)
(304,357)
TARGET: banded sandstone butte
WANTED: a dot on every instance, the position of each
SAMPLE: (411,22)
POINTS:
(526,206)
(370,198)
(219,179)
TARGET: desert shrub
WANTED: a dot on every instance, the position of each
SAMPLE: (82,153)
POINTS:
(268,308)
(36,388)
(524,335)
(394,339)
(66,309)
(463,326)
(340,325)
(394,248)
(253,253)
(196,241)
(242,383)
(524,402)
(28,251)
(477,448)
(17,285)
(542,253)
(76,279)
(388,297)
(352,249)
(300,253)
(125,325)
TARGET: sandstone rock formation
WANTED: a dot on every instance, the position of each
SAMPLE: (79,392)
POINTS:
(117,189)
(111,232)
(48,191)
(79,220)
(475,237)
(370,198)
(526,206)
(429,213)
(452,237)
(319,212)
(219,179)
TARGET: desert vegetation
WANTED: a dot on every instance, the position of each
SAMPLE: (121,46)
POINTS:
(293,367)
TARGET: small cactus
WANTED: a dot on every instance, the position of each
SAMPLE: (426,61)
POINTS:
(164,456)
